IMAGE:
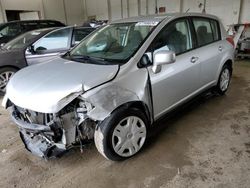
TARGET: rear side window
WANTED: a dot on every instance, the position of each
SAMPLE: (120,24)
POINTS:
(215,30)
(207,31)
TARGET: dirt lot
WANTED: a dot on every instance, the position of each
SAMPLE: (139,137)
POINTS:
(207,144)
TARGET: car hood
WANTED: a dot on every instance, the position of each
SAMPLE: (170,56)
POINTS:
(48,87)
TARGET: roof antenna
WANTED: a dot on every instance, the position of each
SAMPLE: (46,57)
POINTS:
(187,10)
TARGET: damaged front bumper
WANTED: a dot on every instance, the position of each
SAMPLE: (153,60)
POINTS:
(39,139)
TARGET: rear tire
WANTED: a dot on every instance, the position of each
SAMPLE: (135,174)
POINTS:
(122,134)
(224,80)
(5,74)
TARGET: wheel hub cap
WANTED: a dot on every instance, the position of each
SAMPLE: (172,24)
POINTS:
(129,136)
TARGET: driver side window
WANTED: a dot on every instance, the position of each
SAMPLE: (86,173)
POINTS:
(57,40)
(175,37)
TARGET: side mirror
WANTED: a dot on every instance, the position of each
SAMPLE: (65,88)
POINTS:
(162,57)
(31,49)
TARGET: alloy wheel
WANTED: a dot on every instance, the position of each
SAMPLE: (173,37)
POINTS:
(225,79)
(4,79)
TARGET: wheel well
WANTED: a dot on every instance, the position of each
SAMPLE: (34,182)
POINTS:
(230,64)
(9,66)
(139,105)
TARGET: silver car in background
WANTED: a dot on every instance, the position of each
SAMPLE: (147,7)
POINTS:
(117,82)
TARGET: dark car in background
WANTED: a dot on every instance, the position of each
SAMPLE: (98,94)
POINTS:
(10,30)
(37,46)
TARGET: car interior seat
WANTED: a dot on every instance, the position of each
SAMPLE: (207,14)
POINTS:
(203,36)
(134,39)
(176,41)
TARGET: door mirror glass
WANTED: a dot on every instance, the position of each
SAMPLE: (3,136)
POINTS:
(162,57)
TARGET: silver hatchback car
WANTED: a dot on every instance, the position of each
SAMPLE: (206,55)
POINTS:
(117,82)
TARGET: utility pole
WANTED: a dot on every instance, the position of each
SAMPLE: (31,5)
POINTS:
(240,11)
(109,10)
(181,5)
(204,7)
(65,12)
(84,9)
(121,8)
(139,7)
(128,13)
(3,12)
(147,12)
(156,7)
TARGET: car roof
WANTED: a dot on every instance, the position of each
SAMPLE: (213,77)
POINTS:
(161,17)
(45,30)
(23,21)
(83,27)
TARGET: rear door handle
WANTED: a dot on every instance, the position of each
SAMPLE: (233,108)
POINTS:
(194,59)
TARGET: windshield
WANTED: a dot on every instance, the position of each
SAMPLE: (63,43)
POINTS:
(114,42)
(22,41)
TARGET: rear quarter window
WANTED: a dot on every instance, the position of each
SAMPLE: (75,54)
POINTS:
(215,29)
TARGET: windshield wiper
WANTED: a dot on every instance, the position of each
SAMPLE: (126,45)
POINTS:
(87,59)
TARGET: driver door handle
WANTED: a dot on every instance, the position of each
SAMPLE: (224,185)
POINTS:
(194,59)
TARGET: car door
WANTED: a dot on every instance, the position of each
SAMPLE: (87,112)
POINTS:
(50,46)
(179,80)
(210,48)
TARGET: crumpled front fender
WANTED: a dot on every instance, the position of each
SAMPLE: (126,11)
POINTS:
(132,88)
(107,99)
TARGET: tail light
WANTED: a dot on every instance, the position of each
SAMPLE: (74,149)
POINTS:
(231,41)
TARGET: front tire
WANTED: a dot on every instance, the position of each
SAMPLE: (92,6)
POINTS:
(5,74)
(122,134)
(224,80)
